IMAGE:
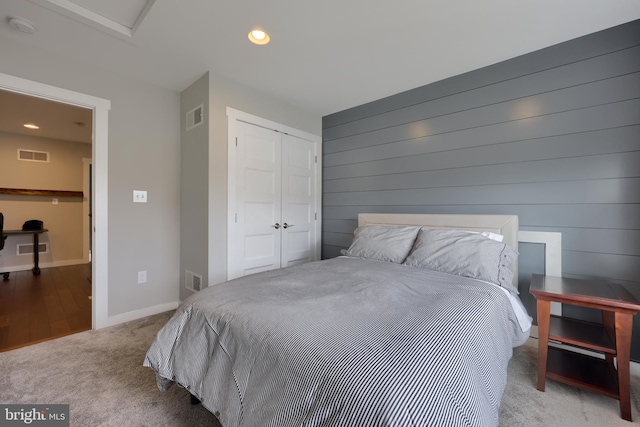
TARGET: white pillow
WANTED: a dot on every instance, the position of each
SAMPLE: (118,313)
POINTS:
(492,236)
(464,254)
(382,242)
(488,234)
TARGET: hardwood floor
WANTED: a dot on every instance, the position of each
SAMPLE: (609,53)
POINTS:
(39,308)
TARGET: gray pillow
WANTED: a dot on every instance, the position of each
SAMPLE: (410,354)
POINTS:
(382,242)
(464,254)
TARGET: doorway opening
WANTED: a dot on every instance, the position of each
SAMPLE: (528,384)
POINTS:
(98,183)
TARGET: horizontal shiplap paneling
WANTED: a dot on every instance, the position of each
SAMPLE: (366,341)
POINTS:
(602,215)
(434,135)
(549,94)
(620,190)
(606,42)
(605,141)
(589,167)
(552,136)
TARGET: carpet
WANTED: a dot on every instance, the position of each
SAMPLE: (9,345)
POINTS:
(100,375)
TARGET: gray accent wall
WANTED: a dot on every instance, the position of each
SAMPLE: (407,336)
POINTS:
(552,136)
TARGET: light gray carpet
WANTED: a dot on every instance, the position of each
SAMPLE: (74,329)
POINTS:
(100,375)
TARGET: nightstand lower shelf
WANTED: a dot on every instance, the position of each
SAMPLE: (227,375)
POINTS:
(583,371)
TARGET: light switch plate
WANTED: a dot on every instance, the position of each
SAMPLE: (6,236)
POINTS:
(139,196)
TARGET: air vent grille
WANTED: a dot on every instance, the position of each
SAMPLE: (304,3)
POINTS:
(194,117)
(192,281)
(27,248)
(33,155)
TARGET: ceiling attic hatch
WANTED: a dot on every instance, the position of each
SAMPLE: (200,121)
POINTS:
(120,18)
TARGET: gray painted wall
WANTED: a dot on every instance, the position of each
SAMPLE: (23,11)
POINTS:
(552,136)
(204,168)
(194,184)
(144,154)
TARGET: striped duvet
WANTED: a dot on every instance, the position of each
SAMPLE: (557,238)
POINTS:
(342,342)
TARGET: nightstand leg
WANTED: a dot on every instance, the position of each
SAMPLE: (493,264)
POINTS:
(544,313)
(624,325)
(609,320)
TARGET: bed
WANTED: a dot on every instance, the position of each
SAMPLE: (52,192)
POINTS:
(413,325)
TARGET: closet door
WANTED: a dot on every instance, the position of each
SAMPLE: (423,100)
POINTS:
(274,220)
(298,201)
(259,201)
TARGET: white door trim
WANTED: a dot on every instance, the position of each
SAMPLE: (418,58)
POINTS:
(233,116)
(86,221)
(100,154)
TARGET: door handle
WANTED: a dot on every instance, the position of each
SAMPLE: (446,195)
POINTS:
(285,225)
(276,226)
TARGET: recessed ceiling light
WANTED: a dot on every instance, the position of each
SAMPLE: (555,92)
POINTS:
(31,126)
(258,36)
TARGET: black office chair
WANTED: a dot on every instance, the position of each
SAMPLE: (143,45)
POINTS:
(2,239)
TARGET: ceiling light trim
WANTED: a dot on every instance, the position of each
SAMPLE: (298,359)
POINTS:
(95,20)
(259,36)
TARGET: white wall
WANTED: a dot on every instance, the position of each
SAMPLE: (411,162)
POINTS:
(144,154)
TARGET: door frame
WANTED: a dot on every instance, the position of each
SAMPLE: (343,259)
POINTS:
(86,210)
(100,155)
(233,116)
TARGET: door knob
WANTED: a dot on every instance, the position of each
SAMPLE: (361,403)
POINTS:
(276,225)
(285,225)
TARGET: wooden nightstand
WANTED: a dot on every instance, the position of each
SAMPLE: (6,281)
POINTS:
(611,338)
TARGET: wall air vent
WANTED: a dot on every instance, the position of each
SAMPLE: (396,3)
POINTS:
(194,117)
(33,156)
(27,248)
(192,281)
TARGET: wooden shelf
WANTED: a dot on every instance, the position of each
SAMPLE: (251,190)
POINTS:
(47,193)
(588,335)
(582,371)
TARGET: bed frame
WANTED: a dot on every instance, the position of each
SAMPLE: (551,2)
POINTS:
(506,225)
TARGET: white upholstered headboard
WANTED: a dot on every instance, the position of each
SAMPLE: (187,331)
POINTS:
(507,225)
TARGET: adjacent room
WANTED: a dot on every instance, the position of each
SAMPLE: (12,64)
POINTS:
(339,213)
(46,181)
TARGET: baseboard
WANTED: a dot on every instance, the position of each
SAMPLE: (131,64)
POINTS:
(634,367)
(138,314)
(49,264)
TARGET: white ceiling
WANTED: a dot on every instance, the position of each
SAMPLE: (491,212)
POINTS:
(56,120)
(324,56)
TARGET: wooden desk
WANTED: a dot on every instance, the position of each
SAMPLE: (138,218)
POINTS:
(611,338)
(36,252)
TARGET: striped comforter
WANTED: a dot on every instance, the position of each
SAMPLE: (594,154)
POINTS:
(342,342)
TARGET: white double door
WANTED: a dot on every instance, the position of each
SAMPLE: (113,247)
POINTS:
(275,209)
